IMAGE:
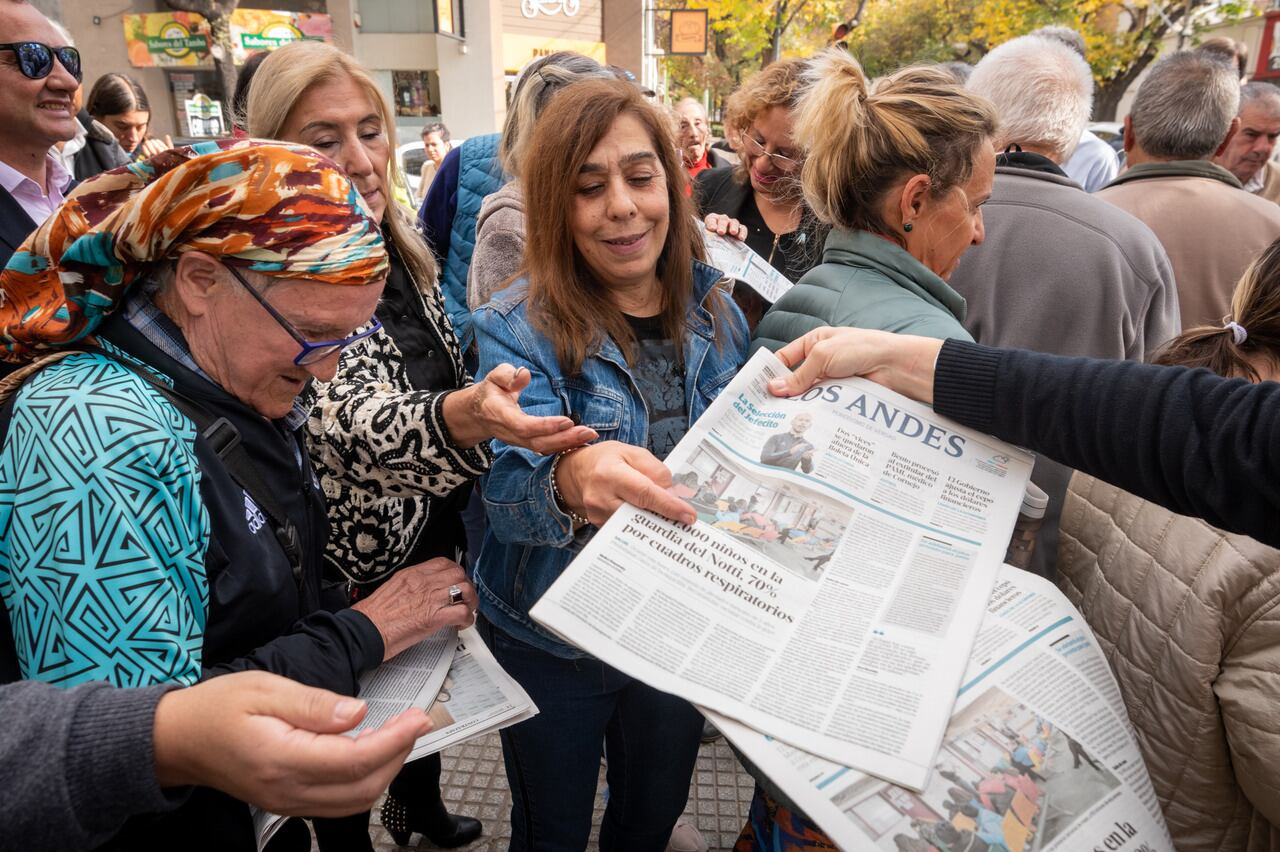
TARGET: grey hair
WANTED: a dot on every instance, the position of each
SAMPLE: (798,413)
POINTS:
(693,102)
(536,83)
(1259,91)
(1184,107)
(1042,90)
(1064,35)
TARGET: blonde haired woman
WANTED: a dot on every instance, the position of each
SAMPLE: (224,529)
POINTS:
(401,431)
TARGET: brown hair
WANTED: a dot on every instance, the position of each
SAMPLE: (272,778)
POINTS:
(862,140)
(1255,307)
(780,83)
(565,303)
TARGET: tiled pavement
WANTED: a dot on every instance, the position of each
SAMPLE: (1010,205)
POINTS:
(475,784)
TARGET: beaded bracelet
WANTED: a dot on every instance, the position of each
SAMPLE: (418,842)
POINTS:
(574,518)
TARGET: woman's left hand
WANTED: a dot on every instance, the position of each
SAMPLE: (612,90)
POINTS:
(490,408)
(152,146)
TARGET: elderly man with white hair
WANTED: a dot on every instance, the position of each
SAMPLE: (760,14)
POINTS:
(1248,154)
(1061,271)
(695,139)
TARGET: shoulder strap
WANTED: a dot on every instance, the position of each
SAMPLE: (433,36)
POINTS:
(221,435)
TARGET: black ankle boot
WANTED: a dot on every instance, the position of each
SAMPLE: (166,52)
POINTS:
(447,832)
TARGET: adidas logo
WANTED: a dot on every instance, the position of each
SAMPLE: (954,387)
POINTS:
(253,515)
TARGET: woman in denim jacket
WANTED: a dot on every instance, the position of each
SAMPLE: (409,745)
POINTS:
(622,327)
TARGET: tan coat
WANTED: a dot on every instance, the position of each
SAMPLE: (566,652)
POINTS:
(1188,619)
(1211,229)
(1270,182)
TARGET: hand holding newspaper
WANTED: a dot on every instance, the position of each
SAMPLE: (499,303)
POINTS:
(1038,748)
(737,261)
(829,593)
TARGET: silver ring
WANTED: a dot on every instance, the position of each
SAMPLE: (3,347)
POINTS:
(455,595)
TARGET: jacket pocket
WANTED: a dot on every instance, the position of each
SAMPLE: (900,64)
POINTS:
(599,408)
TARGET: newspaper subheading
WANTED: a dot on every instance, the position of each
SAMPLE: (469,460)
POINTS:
(1038,754)
(736,260)
(846,544)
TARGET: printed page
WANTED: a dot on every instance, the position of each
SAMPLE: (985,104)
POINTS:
(1038,754)
(736,260)
(829,592)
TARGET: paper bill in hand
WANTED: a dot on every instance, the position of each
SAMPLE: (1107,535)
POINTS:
(737,261)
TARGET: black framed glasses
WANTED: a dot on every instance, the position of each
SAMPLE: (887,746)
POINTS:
(311,352)
(35,60)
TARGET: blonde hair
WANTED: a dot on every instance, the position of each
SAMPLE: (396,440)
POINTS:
(861,141)
(283,77)
(535,85)
(778,84)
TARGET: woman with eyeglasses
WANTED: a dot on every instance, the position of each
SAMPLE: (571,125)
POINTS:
(159,520)
(759,200)
(401,431)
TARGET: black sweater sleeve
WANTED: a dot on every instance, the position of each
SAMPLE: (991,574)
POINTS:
(1190,440)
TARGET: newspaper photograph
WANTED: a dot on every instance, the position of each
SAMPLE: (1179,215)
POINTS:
(736,260)
(828,594)
(1038,754)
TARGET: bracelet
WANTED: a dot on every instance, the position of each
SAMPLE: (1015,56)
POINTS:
(574,518)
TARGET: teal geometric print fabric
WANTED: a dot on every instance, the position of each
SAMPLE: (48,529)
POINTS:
(103,532)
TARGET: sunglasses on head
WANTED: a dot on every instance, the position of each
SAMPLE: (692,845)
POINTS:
(35,60)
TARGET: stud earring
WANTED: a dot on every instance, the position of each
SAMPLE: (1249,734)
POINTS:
(907,227)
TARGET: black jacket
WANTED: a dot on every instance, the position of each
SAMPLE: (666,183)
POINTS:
(1190,440)
(101,151)
(15,226)
(259,616)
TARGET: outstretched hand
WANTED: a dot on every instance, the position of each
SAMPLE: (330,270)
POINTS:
(597,479)
(279,745)
(490,408)
(901,362)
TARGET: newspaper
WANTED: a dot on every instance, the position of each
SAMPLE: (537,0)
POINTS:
(455,678)
(737,261)
(1039,746)
(846,544)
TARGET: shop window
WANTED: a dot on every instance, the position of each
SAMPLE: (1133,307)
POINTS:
(417,93)
(449,17)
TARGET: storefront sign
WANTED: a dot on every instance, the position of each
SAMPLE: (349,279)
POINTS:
(182,39)
(519,50)
(204,116)
(534,8)
(688,32)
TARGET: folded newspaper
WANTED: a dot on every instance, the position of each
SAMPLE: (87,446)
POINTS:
(1038,754)
(454,677)
(829,593)
(737,261)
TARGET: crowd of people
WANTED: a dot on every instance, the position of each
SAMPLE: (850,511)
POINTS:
(265,424)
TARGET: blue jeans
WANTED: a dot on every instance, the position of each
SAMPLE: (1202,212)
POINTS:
(587,708)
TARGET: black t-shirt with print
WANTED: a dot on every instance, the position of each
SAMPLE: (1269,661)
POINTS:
(659,374)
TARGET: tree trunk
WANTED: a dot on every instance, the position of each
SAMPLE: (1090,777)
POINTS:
(224,64)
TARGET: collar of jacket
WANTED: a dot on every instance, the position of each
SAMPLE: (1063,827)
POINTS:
(1022,162)
(1177,168)
(863,248)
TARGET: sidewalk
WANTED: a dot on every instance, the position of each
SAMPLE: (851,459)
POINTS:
(475,784)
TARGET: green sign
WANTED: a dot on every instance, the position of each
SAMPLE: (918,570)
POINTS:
(178,44)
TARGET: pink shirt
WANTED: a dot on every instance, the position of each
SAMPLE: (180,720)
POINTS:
(38,202)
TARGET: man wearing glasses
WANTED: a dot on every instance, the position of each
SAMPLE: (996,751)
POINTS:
(39,74)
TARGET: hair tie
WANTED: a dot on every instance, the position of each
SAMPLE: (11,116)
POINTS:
(1238,334)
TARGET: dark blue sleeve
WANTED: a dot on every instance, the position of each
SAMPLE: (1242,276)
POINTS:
(436,214)
(1190,440)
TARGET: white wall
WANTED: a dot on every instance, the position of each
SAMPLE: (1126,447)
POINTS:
(472,88)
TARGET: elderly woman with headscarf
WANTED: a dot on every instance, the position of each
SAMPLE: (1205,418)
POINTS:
(159,520)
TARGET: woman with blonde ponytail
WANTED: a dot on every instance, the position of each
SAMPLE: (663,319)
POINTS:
(400,433)
(899,171)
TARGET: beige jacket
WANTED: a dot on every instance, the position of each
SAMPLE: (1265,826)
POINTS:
(1188,619)
(1270,182)
(1210,227)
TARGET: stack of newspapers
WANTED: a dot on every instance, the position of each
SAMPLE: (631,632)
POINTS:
(841,612)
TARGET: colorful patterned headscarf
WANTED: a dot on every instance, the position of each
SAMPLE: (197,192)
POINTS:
(277,209)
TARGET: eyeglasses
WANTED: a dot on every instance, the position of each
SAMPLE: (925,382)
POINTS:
(35,60)
(758,150)
(311,352)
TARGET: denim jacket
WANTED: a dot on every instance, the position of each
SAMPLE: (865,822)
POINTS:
(529,539)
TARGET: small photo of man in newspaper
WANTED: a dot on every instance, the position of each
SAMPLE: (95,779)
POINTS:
(795,526)
(790,449)
(1006,780)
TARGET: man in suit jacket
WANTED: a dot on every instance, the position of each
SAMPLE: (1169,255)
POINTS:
(35,114)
